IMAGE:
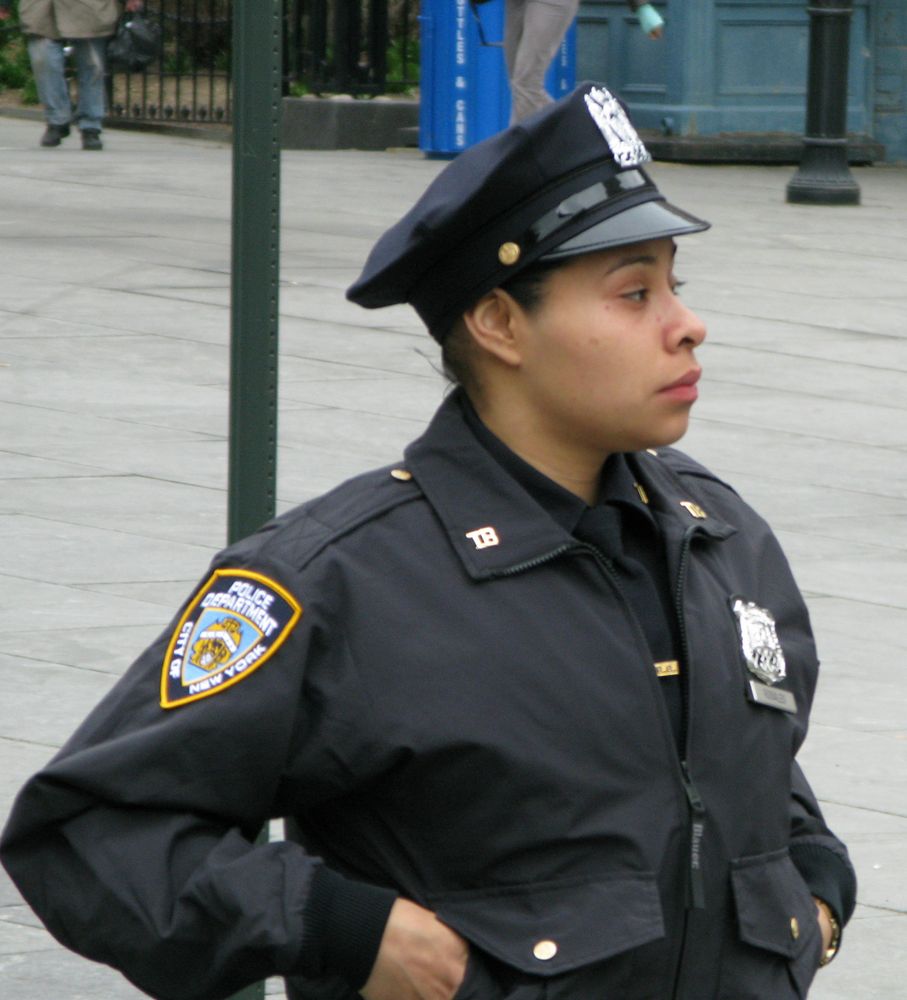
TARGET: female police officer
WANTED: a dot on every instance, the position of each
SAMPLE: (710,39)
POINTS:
(531,699)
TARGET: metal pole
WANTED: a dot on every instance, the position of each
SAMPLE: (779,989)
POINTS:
(255,268)
(824,177)
(255,277)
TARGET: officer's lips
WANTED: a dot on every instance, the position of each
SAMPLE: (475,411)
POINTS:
(684,389)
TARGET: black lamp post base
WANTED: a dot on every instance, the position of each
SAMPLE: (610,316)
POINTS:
(824,177)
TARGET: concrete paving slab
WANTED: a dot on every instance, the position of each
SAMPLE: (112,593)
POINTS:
(294,370)
(832,381)
(326,304)
(411,397)
(872,527)
(78,555)
(390,349)
(867,770)
(788,339)
(103,649)
(730,446)
(875,840)
(40,605)
(77,436)
(123,402)
(42,698)
(19,933)
(10,900)
(858,697)
(21,758)
(19,332)
(855,694)
(320,471)
(325,450)
(122,310)
(53,363)
(870,965)
(817,307)
(825,419)
(783,289)
(172,457)
(147,508)
(821,508)
(858,627)
(62,975)
(17,466)
(868,573)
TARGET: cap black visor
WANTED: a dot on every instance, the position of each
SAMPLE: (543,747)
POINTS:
(652,220)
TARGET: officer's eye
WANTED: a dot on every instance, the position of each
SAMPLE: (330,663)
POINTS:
(676,286)
(637,295)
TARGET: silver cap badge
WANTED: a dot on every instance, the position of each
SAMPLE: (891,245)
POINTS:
(623,140)
(759,639)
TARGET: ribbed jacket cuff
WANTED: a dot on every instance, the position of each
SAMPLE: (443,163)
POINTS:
(345,921)
(828,877)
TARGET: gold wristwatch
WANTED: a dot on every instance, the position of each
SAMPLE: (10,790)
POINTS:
(829,953)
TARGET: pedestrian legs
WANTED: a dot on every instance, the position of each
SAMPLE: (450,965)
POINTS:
(46,55)
(533,31)
(90,54)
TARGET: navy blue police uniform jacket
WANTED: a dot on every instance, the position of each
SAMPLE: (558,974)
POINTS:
(451,698)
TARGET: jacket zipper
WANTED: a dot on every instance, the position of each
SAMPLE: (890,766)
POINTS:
(697,809)
(696,881)
(533,563)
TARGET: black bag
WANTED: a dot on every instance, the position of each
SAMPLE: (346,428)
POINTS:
(135,44)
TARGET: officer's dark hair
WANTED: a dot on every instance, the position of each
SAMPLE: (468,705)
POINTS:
(458,348)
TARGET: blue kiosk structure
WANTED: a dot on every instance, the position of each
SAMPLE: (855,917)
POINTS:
(722,66)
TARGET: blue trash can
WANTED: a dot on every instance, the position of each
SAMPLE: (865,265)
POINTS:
(464,94)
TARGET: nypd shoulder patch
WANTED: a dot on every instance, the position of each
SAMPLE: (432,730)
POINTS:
(235,623)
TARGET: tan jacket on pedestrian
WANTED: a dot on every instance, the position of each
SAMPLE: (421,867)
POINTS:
(68,18)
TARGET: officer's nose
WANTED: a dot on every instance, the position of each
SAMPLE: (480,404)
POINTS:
(686,328)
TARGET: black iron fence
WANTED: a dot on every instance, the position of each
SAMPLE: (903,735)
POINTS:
(357,47)
(190,79)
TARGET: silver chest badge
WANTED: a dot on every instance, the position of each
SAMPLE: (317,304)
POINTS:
(759,639)
(763,655)
(623,140)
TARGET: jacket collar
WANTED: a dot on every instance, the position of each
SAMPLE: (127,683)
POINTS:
(491,521)
(679,510)
(493,524)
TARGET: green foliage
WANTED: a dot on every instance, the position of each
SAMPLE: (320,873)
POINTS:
(177,61)
(402,67)
(15,71)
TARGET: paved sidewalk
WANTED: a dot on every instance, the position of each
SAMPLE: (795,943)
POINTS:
(114,320)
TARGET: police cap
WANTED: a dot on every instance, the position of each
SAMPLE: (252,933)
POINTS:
(566,181)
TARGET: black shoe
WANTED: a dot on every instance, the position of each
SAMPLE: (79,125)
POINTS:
(91,139)
(54,135)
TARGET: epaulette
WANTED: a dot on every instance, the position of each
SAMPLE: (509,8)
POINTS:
(304,531)
(680,463)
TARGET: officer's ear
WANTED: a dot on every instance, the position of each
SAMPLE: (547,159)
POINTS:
(494,324)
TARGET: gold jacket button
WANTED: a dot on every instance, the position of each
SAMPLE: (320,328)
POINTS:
(404,475)
(544,951)
(794,928)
